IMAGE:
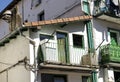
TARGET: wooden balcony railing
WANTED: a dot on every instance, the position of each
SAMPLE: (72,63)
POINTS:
(60,54)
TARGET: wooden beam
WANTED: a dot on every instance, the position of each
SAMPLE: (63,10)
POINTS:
(56,21)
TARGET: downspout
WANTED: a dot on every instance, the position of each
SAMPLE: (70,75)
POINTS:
(34,53)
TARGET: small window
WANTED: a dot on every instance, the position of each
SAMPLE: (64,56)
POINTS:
(114,36)
(42,37)
(53,78)
(78,41)
(41,16)
(86,79)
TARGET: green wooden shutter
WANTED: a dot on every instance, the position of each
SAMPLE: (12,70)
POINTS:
(94,76)
(90,35)
(86,8)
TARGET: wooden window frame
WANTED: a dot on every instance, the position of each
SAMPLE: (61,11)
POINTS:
(82,40)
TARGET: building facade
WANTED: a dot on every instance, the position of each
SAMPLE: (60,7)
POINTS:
(60,41)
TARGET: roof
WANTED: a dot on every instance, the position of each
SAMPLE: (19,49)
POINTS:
(56,21)
(10,6)
(13,34)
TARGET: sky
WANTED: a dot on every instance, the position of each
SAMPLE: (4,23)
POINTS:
(4,3)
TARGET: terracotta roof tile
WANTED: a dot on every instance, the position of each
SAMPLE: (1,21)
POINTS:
(55,21)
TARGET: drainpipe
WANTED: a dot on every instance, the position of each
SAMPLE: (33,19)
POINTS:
(34,53)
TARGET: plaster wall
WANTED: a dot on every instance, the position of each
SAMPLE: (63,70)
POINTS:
(10,54)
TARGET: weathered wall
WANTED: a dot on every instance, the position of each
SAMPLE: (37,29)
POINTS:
(11,53)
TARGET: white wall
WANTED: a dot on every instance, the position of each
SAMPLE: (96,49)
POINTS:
(11,53)
(100,31)
(52,9)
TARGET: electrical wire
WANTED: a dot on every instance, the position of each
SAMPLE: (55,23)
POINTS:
(25,63)
(14,65)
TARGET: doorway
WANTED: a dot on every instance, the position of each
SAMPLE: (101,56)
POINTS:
(117,76)
(62,42)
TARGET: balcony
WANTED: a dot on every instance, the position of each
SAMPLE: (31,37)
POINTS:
(107,10)
(110,54)
(61,54)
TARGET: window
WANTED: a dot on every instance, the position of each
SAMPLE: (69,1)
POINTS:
(53,78)
(43,36)
(41,16)
(86,79)
(78,41)
(114,36)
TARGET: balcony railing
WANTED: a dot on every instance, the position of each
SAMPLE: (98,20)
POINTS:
(108,8)
(110,53)
(60,54)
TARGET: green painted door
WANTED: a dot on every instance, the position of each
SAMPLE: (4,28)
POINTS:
(62,47)
(113,37)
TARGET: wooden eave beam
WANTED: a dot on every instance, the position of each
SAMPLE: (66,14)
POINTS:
(57,21)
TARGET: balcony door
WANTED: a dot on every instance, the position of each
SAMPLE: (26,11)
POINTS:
(62,42)
(114,35)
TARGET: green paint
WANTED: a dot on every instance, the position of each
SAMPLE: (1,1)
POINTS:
(94,76)
(110,53)
(90,36)
(86,6)
(63,48)
(40,56)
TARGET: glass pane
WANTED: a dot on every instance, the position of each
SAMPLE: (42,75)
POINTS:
(59,79)
(78,40)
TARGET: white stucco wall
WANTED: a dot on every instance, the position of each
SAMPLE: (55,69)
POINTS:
(11,53)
